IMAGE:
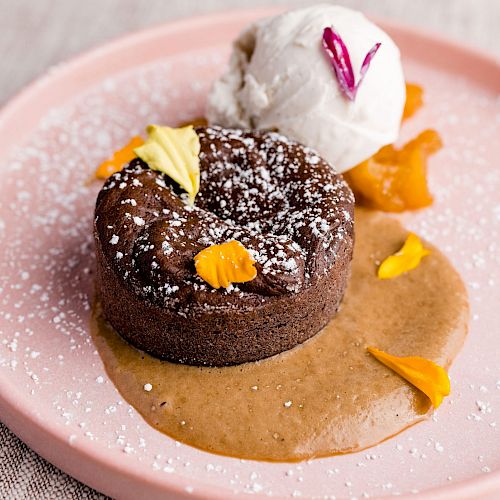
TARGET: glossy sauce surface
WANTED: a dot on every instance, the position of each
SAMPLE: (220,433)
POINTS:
(325,397)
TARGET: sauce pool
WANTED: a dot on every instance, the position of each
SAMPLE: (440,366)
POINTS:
(324,397)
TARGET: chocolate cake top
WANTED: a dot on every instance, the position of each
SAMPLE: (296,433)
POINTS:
(283,202)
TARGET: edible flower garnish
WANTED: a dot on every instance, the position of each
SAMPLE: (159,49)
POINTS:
(221,265)
(174,152)
(341,62)
(414,100)
(120,158)
(406,259)
(424,374)
(393,179)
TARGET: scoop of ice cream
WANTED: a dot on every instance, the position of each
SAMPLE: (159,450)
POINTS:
(280,78)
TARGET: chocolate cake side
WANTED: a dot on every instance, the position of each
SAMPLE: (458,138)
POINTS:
(221,338)
(279,199)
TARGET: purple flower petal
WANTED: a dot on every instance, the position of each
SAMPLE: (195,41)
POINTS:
(341,62)
(366,63)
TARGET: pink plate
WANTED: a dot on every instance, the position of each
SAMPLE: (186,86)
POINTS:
(54,392)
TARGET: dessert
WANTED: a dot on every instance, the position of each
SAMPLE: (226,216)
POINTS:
(281,78)
(280,200)
(326,396)
(331,79)
(242,260)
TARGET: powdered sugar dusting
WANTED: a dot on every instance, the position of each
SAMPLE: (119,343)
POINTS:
(260,189)
(46,354)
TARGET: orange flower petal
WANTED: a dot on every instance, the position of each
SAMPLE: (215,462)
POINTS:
(406,259)
(119,160)
(424,374)
(414,100)
(221,265)
(394,179)
(199,121)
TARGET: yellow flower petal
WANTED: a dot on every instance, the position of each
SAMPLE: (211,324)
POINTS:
(119,160)
(404,260)
(174,152)
(424,374)
(221,265)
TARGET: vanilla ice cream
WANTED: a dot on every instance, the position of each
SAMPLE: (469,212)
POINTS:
(280,78)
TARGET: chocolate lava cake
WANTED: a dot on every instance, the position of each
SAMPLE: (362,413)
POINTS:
(283,202)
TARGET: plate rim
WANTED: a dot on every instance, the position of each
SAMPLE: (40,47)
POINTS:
(18,419)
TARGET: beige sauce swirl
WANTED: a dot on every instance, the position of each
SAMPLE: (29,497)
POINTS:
(325,397)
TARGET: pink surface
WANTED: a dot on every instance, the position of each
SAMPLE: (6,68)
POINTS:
(54,392)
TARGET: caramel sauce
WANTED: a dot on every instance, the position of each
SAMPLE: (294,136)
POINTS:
(324,397)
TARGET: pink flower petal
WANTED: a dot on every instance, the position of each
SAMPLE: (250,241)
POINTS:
(340,60)
(366,63)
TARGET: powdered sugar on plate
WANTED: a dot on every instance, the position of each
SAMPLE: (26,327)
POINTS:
(46,354)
